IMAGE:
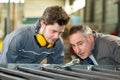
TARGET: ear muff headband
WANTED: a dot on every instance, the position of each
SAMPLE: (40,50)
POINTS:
(50,45)
(42,41)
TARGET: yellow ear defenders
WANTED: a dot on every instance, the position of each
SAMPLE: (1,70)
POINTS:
(42,41)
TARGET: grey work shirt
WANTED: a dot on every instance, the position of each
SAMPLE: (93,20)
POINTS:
(106,49)
(20,46)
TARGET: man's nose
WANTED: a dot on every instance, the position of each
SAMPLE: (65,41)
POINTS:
(77,48)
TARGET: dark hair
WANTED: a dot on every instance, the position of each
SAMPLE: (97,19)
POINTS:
(84,29)
(55,14)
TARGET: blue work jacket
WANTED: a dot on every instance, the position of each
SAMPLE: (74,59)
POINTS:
(20,46)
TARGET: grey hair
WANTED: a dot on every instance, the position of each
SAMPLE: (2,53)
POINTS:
(84,29)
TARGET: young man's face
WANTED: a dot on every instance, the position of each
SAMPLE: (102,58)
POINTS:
(81,45)
(52,32)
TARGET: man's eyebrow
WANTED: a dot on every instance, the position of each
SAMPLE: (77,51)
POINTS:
(71,44)
(58,31)
(79,42)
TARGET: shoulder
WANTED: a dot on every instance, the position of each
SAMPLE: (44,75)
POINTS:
(20,31)
(18,34)
(59,41)
(108,39)
(59,44)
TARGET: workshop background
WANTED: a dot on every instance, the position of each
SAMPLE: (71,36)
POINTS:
(100,15)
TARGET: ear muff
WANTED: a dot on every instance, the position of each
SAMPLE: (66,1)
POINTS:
(42,41)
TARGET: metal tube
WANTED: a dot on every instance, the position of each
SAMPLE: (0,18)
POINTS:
(23,75)
(101,74)
(47,74)
(79,75)
(9,77)
(106,71)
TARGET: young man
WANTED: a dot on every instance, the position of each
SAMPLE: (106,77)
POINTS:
(94,48)
(34,43)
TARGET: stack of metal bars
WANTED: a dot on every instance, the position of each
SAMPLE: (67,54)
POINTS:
(58,73)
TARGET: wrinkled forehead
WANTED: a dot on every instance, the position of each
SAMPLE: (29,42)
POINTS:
(78,36)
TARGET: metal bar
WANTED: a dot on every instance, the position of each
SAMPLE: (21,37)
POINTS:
(47,74)
(101,74)
(106,71)
(79,75)
(9,77)
(23,75)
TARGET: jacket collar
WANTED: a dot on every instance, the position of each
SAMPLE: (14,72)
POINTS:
(35,27)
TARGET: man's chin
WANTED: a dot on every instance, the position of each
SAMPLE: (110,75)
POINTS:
(82,57)
(51,42)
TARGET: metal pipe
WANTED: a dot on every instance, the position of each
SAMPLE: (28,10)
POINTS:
(4,76)
(79,75)
(106,71)
(47,74)
(23,75)
(101,74)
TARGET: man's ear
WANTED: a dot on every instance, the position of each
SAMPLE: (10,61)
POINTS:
(42,26)
(42,23)
(91,37)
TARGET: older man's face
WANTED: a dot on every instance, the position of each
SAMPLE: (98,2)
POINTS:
(81,45)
